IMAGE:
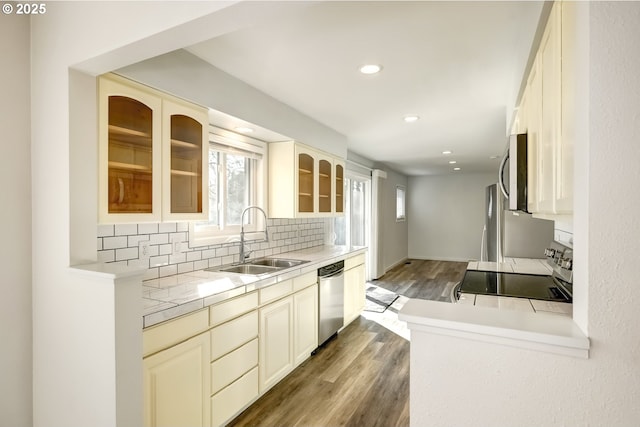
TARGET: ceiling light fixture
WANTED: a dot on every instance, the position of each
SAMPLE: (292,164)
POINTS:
(452,162)
(411,118)
(447,152)
(243,129)
(370,69)
(456,169)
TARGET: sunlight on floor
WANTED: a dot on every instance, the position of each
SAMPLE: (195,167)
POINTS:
(389,318)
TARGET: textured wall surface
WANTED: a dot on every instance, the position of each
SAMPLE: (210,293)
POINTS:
(463,382)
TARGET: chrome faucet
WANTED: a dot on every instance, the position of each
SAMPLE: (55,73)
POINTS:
(242,232)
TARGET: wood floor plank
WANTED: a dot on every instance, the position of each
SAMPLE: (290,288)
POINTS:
(360,378)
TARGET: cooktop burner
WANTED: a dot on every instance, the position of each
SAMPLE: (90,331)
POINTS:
(514,285)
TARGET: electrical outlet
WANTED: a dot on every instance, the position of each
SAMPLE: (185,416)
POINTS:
(143,249)
(176,246)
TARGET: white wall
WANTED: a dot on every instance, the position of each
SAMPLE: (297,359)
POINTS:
(447,215)
(69,389)
(503,386)
(15,251)
(187,76)
(393,234)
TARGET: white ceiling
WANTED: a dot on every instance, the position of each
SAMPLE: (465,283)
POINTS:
(458,65)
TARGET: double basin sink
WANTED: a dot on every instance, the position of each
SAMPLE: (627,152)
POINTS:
(260,266)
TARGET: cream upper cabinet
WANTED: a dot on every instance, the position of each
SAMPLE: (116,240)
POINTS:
(176,385)
(550,124)
(185,161)
(303,182)
(152,155)
(130,153)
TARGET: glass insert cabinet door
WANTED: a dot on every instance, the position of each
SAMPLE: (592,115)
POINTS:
(186,165)
(324,185)
(129,152)
(339,209)
(185,161)
(306,191)
(130,156)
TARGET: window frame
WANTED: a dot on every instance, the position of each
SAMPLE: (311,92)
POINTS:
(232,143)
(401,189)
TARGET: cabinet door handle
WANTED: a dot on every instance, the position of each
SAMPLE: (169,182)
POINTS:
(121,186)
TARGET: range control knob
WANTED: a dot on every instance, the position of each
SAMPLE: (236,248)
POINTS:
(566,263)
(550,252)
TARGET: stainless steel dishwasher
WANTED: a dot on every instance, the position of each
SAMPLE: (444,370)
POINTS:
(330,300)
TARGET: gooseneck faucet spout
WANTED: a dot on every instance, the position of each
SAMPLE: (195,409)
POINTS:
(242,232)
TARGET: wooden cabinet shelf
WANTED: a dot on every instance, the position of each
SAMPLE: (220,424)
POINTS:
(129,167)
(184,144)
(304,171)
(184,173)
(123,131)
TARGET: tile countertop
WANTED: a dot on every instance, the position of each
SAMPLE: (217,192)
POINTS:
(522,266)
(173,296)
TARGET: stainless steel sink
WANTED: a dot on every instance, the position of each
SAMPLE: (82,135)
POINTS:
(247,269)
(277,262)
(260,266)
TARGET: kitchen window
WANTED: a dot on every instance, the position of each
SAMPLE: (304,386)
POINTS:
(400,203)
(236,180)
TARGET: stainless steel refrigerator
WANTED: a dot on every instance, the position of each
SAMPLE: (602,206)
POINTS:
(511,234)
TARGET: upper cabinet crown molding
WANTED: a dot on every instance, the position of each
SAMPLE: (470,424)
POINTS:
(153,151)
(304,182)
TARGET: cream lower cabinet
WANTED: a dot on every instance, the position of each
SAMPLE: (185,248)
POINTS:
(234,357)
(354,287)
(305,323)
(276,342)
(176,385)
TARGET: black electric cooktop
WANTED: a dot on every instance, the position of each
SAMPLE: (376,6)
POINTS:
(514,285)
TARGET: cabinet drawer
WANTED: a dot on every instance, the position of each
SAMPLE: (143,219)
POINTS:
(233,334)
(172,332)
(227,310)
(234,398)
(304,281)
(229,368)
(353,261)
(276,291)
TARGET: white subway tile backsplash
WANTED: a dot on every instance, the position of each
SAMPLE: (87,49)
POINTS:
(114,242)
(105,230)
(167,227)
(126,229)
(107,256)
(156,261)
(168,270)
(126,254)
(119,243)
(158,239)
(147,228)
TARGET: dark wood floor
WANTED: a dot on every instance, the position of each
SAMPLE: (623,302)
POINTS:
(361,377)
(423,279)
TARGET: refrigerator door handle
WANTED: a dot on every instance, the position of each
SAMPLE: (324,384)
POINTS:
(501,175)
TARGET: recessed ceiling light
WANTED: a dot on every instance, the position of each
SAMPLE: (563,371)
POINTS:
(447,152)
(370,69)
(452,162)
(244,129)
(411,118)
(493,157)
(456,169)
